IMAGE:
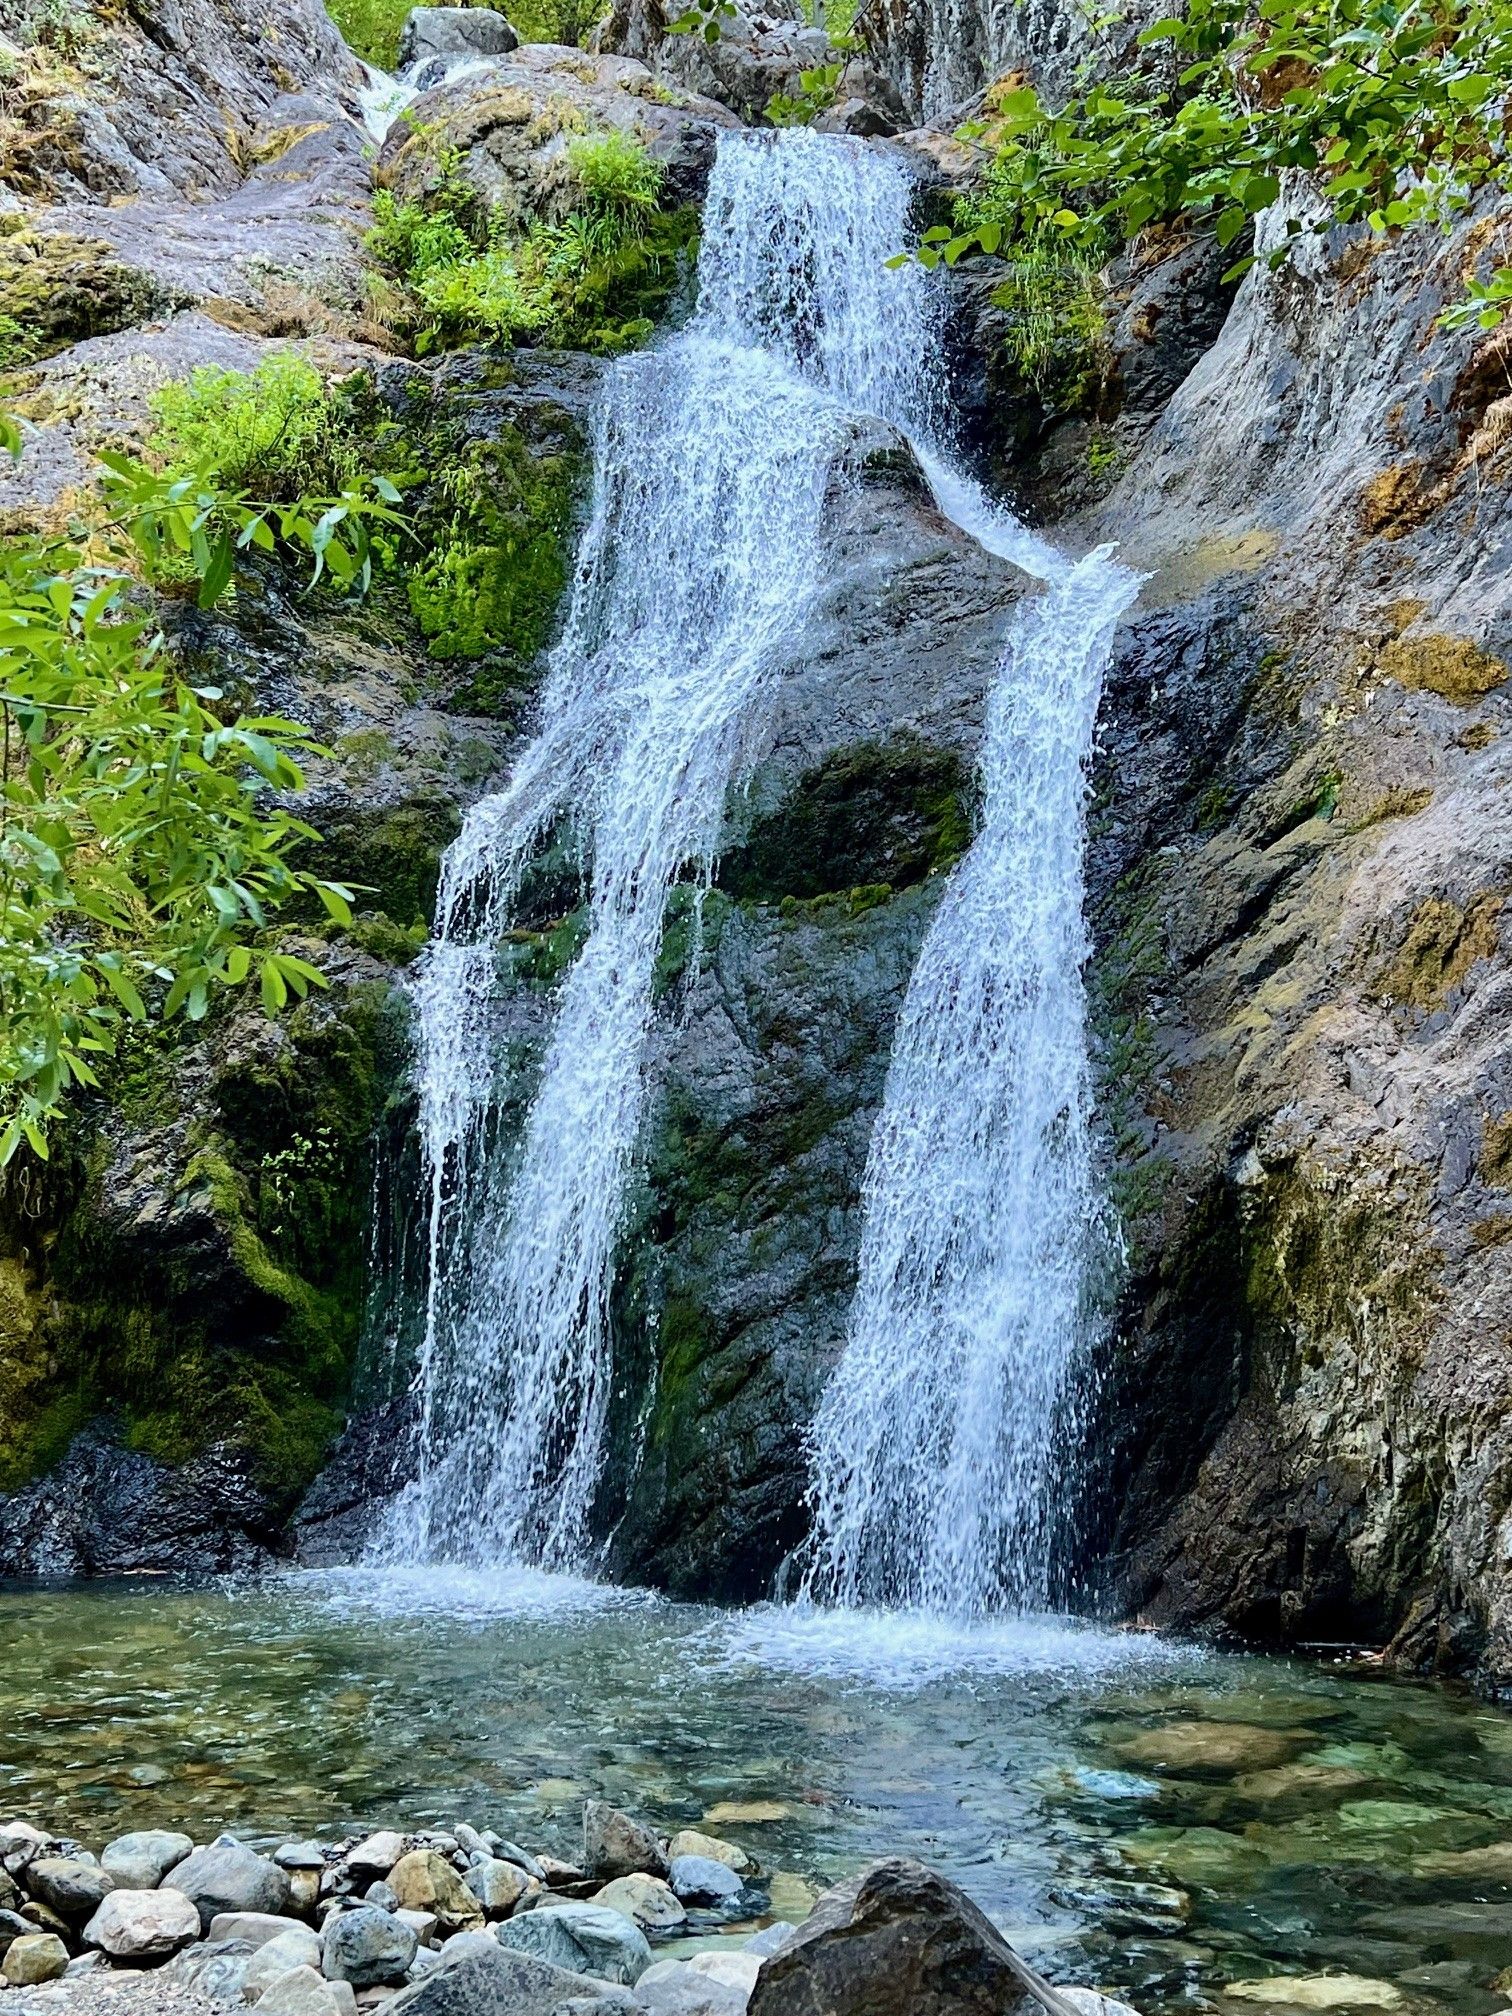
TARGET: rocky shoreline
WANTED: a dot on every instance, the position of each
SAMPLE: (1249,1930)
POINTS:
(466,1923)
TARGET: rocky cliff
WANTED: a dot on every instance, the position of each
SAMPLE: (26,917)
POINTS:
(1299,859)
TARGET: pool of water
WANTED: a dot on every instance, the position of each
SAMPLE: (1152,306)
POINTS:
(1134,1813)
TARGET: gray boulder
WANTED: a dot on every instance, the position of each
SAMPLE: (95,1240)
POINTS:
(280,1956)
(230,1878)
(368,1947)
(141,1861)
(617,1844)
(673,1988)
(582,1938)
(498,1885)
(217,1969)
(142,1924)
(258,1927)
(299,1855)
(897,1940)
(303,1992)
(485,1980)
(698,1879)
(440,33)
(74,1890)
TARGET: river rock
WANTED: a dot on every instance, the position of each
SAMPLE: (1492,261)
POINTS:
(676,1988)
(298,1947)
(141,1861)
(256,1927)
(582,1938)
(617,1844)
(498,1885)
(770,1939)
(218,1968)
(230,1878)
(304,1992)
(382,1896)
(377,1854)
(708,1847)
(897,1940)
(143,1924)
(699,1879)
(40,1956)
(646,1900)
(299,1855)
(368,1947)
(1212,1746)
(423,1924)
(431,34)
(486,1980)
(74,1890)
(426,1881)
(13,1926)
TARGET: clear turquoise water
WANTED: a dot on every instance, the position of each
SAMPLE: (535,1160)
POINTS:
(1140,1815)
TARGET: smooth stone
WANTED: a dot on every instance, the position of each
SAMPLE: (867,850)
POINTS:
(709,1847)
(582,1938)
(498,1885)
(377,1854)
(699,1879)
(1318,1991)
(42,1919)
(425,1881)
(142,1924)
(381,1896)
(1492,1864)
(646,1900)
(1301,1780)
(299,1855)
(304,1890)
(141,1861)
(747,1813)
(40,1956)
(72,1888)
(470,1839)
(675,1988)
(533,1865)
(280,1956)
(227,1878)
(303,1992)
(615,1844)
(736,1970)
(368,1947)
(256,1927)
(13,1926)
(486,1980)
(84,1963)
(1212,1746)
(423,1925)
(557,1874)
(770,1939)
(219,1968)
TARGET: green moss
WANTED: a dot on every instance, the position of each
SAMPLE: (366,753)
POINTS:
(877,817)
(540,958)
(56,289)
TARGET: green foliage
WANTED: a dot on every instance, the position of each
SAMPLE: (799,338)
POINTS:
(18,344)
(371,27)
(1395,110)
(705,18)
(275,431)
(816,94)
(139,855)
(467,278)
(1056,335)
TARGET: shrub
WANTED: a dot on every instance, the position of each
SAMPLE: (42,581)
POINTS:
(274,431)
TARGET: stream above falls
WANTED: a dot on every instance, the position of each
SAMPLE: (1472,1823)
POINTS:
(1135,1813)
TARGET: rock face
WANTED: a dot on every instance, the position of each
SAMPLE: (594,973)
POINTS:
(896,1941)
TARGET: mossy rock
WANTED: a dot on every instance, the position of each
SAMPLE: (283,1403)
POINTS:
(1451,666)
(58,289)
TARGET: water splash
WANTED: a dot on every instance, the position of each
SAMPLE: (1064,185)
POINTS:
(938,1444)
(701,560)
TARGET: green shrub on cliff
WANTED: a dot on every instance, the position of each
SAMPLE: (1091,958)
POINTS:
(275,432)
(1393,114)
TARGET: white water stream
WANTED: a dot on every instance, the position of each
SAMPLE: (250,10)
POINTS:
(700,564)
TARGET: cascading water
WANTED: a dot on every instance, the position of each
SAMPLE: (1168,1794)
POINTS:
(701,558)
(937,1443)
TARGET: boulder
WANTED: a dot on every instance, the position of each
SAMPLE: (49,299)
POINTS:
(74,1890)
(699,1879)
(426,1881)
(298,1947)
(13,1926)
(376,1855)
(217,1969)
(382,1896)
(708,1847)
(676,1988)
(486,1980)
(440,35)
(736,1970)
(40,1956)
(582,1938)
(230,1878)
(304,1992)
(256,1927)
(141,1861)
(770,1939)
(646,1900)
(299,1855)
(897,1940)
(423,1925)
(506,131)
(142,1924)
(616,1844)
(498,1885)
(368,1947)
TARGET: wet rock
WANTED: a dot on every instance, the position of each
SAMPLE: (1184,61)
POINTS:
(699,1879)
(498,1885)
(898,1940)
(280,1955)
(689,1841)
(617,1844)
(582,1938)
(1317,1991)
(646,1900)
(256,1927)
(143,1924)
(430,33)
(1185,1747)
(40,1956)
(74,1890)
(486,1980)
(141,1861)
(368,1947)
(426,1881)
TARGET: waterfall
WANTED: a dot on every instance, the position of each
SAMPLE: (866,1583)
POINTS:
(700,561)
(939,1443)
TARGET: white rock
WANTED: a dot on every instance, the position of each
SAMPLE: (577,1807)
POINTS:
(674,1988)
(258,1927)
(646,1900)
(141,1861)
(422,1923)
(303,1992)
(377,1855)
(298,1947)
(143,1924)
(737,1969)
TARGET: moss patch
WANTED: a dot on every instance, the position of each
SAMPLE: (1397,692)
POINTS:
(56,289)
(1451,666)
(1443,942)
